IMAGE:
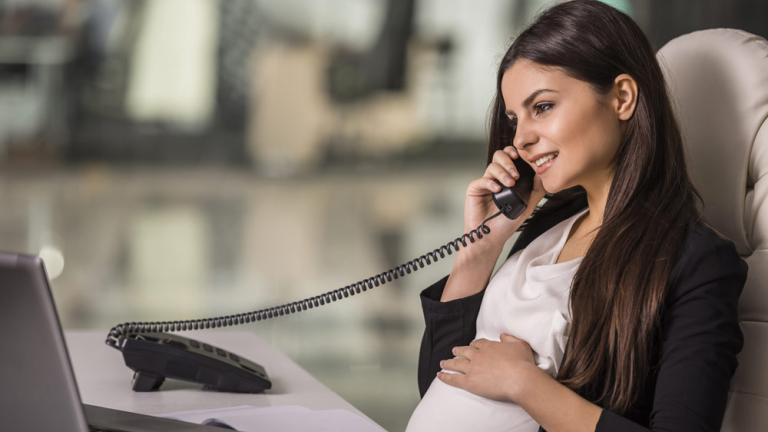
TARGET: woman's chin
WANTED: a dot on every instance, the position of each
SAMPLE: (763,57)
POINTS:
(551,187)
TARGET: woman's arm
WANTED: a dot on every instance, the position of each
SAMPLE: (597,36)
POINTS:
(450,318)
(472,269)
(451,306)
(556,407)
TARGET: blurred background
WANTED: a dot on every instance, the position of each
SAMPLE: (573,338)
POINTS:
(186,158)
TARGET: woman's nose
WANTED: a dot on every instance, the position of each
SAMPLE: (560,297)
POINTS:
(524,137)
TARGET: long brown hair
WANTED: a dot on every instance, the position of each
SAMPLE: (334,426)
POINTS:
(618,291)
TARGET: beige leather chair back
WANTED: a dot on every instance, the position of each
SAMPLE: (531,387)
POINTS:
(718,81)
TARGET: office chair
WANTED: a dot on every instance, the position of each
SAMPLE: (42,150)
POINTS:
(718,82)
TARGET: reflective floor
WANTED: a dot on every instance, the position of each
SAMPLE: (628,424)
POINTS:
(149,244)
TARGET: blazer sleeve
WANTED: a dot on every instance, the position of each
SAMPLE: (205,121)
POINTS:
(447,324)
(701,339)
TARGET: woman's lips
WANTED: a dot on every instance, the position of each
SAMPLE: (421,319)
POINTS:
(540,169)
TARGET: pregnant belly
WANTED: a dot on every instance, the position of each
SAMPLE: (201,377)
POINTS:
(446,408)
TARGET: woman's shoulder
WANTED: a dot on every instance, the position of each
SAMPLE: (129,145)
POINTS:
(704,242)
(706,256)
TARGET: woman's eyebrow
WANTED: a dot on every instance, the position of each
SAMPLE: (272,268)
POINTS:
(530,98)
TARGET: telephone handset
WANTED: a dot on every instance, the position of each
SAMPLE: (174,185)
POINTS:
(513,201)
(154,354)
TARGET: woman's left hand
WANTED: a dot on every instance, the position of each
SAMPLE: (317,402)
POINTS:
(495,370)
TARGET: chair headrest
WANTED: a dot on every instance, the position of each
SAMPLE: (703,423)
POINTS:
(718,82)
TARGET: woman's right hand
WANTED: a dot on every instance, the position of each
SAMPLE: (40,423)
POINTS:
(474,264)
(479,203)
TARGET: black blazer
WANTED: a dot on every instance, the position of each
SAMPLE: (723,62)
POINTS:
(700,333)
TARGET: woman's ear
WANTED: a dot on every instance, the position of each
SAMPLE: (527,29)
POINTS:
(624,96)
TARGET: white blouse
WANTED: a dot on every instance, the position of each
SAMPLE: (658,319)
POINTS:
(526,298)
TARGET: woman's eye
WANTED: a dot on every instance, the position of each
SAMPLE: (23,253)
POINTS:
(544,106)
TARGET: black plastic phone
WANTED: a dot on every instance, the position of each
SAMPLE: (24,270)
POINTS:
(513,201)
(154,354)
(157,356)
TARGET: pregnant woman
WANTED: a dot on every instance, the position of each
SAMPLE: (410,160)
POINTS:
(616,309)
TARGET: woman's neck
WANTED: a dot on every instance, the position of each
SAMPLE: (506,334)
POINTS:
(597,197)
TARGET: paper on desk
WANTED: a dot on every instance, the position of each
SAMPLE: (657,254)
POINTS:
(288,418)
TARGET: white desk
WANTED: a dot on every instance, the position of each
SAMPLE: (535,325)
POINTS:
(104,379)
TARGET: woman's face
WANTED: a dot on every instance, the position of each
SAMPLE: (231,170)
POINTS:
(568,119)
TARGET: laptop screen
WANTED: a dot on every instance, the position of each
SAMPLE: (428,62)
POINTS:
(39,391)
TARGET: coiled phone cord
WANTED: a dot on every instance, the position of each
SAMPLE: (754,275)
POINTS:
(118,334)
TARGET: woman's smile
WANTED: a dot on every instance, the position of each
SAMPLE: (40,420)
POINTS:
(542,164)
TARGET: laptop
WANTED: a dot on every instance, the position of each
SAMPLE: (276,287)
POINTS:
(39,392)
